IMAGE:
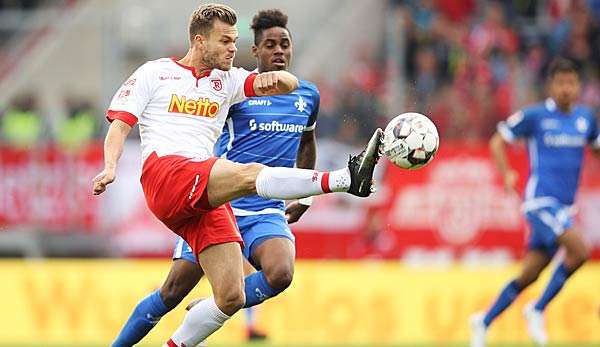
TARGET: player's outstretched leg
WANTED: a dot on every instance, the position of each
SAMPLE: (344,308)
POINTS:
(223,266)
(576,255)
(184,275)
(229,180)
(535,261)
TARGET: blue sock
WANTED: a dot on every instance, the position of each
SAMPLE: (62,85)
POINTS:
(257,289)
(506,297)
(144,317)
(559,277)
(249,317)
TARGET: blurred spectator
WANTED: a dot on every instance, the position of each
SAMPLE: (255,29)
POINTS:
(21,126)
(80,126)
(425,76)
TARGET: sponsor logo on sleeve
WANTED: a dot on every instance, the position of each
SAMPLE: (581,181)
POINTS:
(124,93)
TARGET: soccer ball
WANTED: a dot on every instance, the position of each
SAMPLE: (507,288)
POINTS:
(410,140)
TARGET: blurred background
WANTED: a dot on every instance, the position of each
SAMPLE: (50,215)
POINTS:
(405,267)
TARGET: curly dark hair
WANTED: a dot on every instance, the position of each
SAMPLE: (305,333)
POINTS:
(267,19)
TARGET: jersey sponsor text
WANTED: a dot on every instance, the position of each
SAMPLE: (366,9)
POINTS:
(201,107)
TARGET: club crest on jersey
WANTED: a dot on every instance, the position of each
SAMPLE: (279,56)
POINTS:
(581,124)
(300,104)
(201,107)
(216,84)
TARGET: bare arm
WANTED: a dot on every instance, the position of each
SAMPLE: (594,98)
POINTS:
(113,148)
(274,83)
(307,152)
(305,159)
(498,150)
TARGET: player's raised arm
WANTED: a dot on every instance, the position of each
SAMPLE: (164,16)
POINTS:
(274,83)
(113,148)
(306,158)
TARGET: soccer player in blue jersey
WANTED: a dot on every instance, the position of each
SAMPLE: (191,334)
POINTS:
(556,132)
(275,131)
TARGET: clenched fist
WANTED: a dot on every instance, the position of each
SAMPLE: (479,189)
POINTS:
(104,178)
(266,82)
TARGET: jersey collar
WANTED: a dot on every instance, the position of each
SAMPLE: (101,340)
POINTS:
(191,69)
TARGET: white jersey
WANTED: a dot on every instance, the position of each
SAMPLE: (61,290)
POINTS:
(178,111)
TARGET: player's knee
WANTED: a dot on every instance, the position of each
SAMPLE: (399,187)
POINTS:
(246,176)
(230,299)
(527,279)
(586,255)
(172,294)
(582,256)
(576,257)
(279,277)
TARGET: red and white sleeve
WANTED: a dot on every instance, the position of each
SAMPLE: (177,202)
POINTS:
(131,99)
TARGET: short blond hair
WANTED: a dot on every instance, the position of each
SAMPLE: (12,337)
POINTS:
(201,21)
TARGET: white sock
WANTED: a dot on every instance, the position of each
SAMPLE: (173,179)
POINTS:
(200,322)
(289,183)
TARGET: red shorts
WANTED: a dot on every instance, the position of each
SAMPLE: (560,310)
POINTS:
(175,190)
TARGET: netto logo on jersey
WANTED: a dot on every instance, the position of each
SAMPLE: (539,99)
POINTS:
(201,107)
(275,126)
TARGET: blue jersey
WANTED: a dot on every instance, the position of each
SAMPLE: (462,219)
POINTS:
(556,142)
(267,130)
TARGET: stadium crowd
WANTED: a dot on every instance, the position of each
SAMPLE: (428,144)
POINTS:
(467,64)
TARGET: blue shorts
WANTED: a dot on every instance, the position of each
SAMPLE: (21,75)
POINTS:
(254,229)
(547,222)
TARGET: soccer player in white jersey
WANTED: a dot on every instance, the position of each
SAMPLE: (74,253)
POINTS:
(181,106)
(249,136)
(557,131)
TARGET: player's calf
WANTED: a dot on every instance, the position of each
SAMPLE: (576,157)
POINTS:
(182,278)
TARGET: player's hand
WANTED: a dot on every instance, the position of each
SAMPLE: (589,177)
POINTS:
(510,182)
(294,211)
(266,82)
(106,177)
